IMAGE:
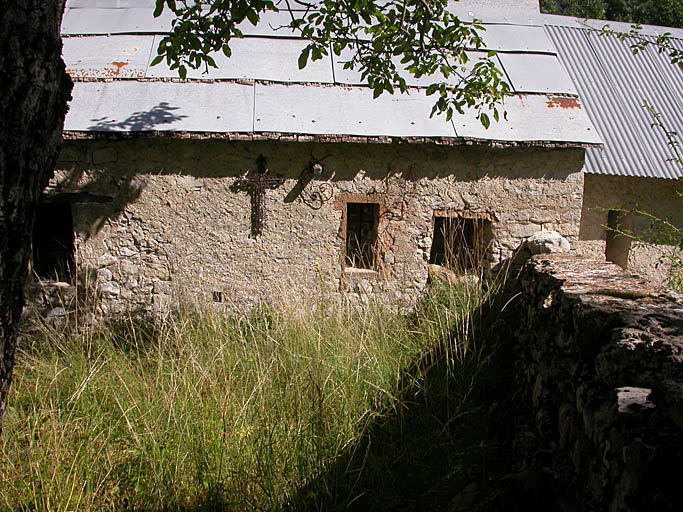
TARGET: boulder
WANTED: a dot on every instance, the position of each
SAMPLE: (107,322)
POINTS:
(547,242)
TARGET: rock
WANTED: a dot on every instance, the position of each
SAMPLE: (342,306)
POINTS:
(524,230)
(104,274)
(162,287)
(110,289)
(632,399)
(125,251)
(547,242)
(129,268)
(439,273)
(365,286)
(107,259)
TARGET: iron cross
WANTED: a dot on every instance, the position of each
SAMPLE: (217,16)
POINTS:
(255,184)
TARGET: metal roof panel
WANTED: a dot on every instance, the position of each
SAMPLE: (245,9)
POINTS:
(353,76)
(271,24)
(598,65)
(98,21)
(536,73)
(533,118)
(256,58)
(110,4)
(107,56)
(132,106)
(516,38)
(321,110)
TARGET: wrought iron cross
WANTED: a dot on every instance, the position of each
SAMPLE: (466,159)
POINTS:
(255,184)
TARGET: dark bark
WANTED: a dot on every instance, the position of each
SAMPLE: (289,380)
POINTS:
(34,90)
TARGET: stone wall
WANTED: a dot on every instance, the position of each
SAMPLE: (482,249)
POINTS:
(602,368)
(158,220)
(653,195)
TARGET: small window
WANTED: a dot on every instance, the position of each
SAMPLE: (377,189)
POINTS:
(460,243)
(618,246)
(53,242)
(361,234)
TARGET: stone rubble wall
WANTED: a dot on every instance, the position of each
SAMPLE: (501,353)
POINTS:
(601,365)
(173,230)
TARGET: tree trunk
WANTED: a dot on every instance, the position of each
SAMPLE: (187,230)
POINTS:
(34,90)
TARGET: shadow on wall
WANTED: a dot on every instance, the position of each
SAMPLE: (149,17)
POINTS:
(88,184)
(112,165)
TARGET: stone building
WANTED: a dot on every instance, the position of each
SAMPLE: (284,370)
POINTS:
(259,181)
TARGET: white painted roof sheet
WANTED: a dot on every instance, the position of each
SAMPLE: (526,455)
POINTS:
(133,106)
(117,40)
(256,58)
(120,56)
(321,110)
(536,73)
(533,117)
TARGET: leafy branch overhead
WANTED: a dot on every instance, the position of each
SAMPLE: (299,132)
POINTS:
(387,41)
(638,42)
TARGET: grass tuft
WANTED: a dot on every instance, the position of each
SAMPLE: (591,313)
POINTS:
(278,409)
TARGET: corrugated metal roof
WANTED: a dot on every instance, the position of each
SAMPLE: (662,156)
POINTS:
(614,83)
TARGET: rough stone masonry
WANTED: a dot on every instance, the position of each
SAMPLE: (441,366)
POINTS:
(601,365)
(160,221)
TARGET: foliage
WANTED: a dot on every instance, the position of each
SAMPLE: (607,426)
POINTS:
(278,409)
(667,13)
(385,40)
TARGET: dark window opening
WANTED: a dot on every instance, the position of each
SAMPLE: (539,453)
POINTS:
(361,234)
(618,245)
(53,242)
(460,243)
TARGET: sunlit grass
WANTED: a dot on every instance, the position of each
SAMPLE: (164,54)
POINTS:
(211,410)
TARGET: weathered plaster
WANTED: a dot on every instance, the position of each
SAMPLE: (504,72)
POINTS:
(175,230)
(656,196)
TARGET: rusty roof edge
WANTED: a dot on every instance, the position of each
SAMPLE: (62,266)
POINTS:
(71,135)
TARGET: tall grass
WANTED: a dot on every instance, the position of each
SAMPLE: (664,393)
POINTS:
(213,411)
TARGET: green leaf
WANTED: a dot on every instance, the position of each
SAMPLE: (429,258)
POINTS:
(303,57)
(227,51)
(252,16)
(159,8)
(182,71)
(157,60)
(485,121)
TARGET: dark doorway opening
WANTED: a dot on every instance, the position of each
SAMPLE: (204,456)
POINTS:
(618,245)
(460,243)
(53,242)
(361,234)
